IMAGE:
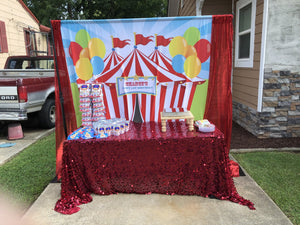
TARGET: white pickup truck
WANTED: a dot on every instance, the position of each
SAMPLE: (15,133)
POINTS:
(27,87)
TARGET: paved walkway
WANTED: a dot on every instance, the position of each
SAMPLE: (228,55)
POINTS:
(154,209)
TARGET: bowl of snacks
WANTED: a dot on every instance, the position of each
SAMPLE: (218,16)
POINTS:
(205,126)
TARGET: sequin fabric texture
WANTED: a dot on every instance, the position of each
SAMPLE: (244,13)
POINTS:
(144,160)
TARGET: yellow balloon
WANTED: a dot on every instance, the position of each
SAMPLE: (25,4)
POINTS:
(84,69)
(84,53)
(192,66)
(177,46)
(96,48)
(190,51)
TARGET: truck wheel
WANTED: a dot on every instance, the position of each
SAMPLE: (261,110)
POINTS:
(47,114)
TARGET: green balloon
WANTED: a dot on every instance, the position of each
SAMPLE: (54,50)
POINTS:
(192,35)
(82,38)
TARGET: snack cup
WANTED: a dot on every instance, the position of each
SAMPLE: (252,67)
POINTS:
(117,131)
(87,114)
(127,122)
(87,123)
(108,129)
(122,127)
(97,100)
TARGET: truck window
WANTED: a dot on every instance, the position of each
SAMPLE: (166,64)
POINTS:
(28,65)
(31,64)
(12,65)
(44,63)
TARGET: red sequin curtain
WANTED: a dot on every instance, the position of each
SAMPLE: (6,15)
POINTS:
(62,72)
(218,107)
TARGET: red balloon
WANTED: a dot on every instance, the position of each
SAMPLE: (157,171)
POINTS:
(74,51)
(203,48)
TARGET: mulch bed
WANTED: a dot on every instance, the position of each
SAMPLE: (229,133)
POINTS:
(242,139)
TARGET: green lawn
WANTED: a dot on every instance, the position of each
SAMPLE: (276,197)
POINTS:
(278,174)
(26,175)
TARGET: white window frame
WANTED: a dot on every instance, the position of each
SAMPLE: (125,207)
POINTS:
(245,62)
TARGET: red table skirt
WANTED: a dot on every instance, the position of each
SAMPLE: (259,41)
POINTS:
(144,160)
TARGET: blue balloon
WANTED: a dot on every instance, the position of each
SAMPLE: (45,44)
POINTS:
(97,64)
(178,63)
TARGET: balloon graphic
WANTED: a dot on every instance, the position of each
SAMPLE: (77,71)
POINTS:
(74,51)
(97,64)
(192,35)
(190,50)
(192,66)
(177,63)
(82,37)
(84,69)
(203,48)
(96,48)
(177,46)
(84,53)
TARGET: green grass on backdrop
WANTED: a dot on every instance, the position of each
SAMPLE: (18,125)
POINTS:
(75,95)
(199,101)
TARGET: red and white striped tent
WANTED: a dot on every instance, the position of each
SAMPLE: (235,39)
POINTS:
(111,60)
(137,64)
(183,92)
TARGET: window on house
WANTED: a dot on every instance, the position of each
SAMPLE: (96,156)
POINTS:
(30,42)
(244,33)
(3,39)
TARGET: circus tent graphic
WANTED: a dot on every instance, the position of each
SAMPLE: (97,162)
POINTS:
(130,58)
(111,60)
(114,58)
(137,64)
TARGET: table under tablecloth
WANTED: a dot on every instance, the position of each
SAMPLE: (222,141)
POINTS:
(144,160)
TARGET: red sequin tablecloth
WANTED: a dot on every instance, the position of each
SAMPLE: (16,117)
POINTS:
(144,160)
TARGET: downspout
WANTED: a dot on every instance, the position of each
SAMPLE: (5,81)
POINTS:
(262,56)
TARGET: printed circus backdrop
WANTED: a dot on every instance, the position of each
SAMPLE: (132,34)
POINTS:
(156,63)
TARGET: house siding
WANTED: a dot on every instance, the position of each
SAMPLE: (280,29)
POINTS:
(245,80)
(217,7)
(16,19)
(188,9)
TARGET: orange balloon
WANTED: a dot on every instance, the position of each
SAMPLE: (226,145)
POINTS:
(190,51)
(192,66)
(84,53)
